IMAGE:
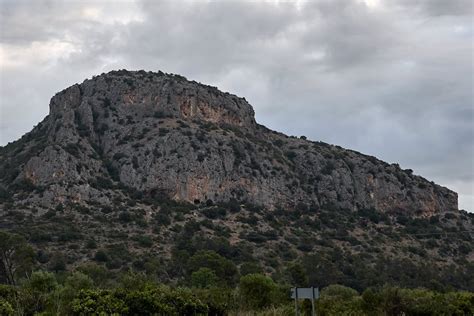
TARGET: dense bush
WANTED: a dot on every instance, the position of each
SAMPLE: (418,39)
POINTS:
(339,300)
(98,302)
(152,300)
(223,268)
(204,278)
(372,214)
(257,291)
(5,308)
(214,212)
(291,155)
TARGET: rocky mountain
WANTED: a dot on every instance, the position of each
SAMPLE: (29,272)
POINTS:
(161,133)
(128,155)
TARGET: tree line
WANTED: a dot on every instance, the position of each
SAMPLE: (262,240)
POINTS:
(83,292)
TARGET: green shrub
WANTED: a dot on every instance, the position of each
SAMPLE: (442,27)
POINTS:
(73,284)
(144,241)
(219,300)
(204,278)
(35,291)
(148,302)
(97,273)
(297,275)
(328,168)
(291,155)
(162,218)
(339,300)
(125,217)
(250,268)
(223,268)
(98,302)
(162,300)
(214,212)
(91,244)
(57,262)
(101,256)
(339,292)
(5,195)
(6,308)
(257,291)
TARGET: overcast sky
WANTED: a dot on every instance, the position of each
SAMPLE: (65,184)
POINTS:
(393,78)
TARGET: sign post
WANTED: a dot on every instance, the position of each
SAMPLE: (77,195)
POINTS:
(296,302)
(311,293)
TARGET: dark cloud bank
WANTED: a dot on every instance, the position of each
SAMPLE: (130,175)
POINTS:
(392,79)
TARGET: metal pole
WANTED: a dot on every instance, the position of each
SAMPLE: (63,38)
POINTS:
(313,313)
(296,301)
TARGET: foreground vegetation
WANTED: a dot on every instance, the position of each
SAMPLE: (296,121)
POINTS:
(90,291)
(204,283)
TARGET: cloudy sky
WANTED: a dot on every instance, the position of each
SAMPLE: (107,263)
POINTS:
(392,78)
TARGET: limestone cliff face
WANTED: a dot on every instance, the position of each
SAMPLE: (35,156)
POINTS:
(154,132)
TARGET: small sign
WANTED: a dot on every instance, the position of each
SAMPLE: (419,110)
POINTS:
(305,292)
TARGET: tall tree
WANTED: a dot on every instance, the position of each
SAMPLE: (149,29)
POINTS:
(16,257)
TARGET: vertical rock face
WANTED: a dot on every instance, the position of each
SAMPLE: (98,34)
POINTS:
(143,94)
(154,132)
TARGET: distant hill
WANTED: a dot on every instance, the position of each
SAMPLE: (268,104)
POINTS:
(137,167)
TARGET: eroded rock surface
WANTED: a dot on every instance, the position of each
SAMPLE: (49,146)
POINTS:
(158,133)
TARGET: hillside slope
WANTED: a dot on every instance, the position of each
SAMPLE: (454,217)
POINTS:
(150,165)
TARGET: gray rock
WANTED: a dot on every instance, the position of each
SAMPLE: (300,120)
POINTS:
(155,132)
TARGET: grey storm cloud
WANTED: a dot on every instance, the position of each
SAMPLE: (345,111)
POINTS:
(393,78)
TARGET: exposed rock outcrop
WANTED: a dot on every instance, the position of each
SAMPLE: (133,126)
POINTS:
(154,132)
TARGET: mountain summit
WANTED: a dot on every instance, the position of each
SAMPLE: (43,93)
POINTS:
(156,133)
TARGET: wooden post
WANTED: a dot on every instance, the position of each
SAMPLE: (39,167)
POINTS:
(313,312)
